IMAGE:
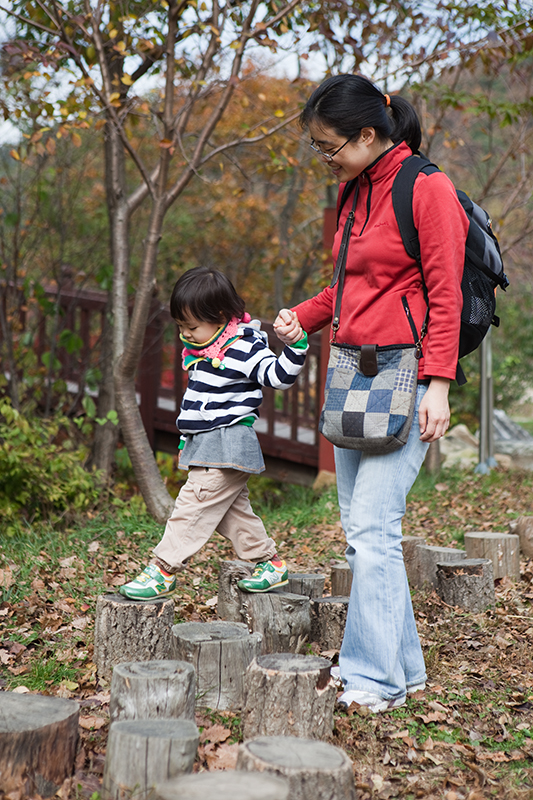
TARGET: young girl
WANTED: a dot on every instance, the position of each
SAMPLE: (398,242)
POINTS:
(228,360)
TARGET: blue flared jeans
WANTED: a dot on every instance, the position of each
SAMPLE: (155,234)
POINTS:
(381,650)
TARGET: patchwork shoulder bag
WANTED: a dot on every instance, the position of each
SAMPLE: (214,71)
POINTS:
(370,391)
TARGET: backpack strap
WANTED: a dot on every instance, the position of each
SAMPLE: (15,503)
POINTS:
(402,202)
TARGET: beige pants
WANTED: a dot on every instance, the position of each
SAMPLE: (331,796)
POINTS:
(213,499)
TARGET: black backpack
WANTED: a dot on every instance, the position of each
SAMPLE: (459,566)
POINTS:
(483,267)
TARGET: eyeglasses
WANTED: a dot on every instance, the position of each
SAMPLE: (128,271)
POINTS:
(328,156)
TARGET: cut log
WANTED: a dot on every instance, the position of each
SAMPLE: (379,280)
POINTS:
(308,584)
(143,752)
(341,580)
(282,619)
(131,630)
(289,695)
(220,652)
(503,549)
(38,740)
(153,689)
(229,595)
(428,558)
(224,786)
(410,546)
(523,528)
(313,769)
(328,620)
(468,584)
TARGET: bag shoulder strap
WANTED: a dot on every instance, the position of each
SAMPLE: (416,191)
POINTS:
(402,202)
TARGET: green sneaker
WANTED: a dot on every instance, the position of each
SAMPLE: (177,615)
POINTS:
(266,576)
(149,585)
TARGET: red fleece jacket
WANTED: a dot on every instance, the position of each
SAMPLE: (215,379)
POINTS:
(379,272)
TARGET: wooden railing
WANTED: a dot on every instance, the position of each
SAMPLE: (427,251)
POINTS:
(287,427)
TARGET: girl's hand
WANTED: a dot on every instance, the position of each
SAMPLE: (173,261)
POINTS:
(434,413)
(287,326)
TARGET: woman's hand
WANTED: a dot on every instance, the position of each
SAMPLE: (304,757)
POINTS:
(434,413)
(287,326)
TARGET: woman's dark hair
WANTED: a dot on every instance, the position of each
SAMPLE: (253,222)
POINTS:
(349,103)
(206,294)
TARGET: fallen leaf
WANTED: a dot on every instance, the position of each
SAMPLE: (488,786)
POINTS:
(92,723)
(80,623)
(215,734)
(93,547)
(21,690)
(6,578)
(67,562)
(224,757)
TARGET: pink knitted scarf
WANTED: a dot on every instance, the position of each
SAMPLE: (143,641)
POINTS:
(212,350)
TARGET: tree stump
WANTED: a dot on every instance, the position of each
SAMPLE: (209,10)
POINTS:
(523,528)
(468,583)
(308,584)
(282,619)
(143,752)
(411,558)
(428,558)
(220,652)
(224,786)
(328,620)
(131,630)
(229,595)
(153,689)
(341,580)
(38,740)
(289,695)
(313,769)
(503,549)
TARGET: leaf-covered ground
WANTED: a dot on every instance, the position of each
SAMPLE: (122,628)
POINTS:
(468,737)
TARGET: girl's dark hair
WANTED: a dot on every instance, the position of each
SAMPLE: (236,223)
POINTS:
(349,103)
(206,294)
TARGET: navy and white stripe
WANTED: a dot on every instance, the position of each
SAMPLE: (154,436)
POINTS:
(216,398)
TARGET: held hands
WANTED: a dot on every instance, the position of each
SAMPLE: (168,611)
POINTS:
(287,327)
(434,413)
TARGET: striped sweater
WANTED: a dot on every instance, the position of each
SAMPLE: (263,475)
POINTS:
(216,398)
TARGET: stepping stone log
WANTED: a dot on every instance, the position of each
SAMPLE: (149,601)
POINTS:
(523,528)
(328,621)
(38,740)
(503,549)
(309,584)
(283,619)
(224,786)
(153,689)
(468,583)
(229,595)
(131,630)
(289,695)
(428,558)
(313,769)
(341,580)
(220,653)
(143,752)
(411,557)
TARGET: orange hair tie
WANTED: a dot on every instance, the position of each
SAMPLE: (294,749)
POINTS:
(387,100)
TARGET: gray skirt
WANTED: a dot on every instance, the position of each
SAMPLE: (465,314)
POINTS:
(234,447)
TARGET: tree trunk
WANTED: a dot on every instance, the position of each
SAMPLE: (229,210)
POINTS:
(316,770)
(228,785)
(38,739)
(105,436)
(503,549)
(468,584)
(153,689)
(142,752)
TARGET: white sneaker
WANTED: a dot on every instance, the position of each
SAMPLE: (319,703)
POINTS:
(372,701)
(417,687)
(336,674)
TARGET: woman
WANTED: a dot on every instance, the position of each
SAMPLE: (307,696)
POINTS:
(361,133)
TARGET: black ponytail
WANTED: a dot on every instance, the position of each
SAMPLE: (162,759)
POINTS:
(349,103)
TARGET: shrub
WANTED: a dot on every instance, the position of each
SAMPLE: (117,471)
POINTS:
(42,473)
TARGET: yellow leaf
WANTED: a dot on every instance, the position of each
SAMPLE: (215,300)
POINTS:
(126,79)
(120,46)
(112,33)
(279,113)
(14,154)
(76,139)
(114,96)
